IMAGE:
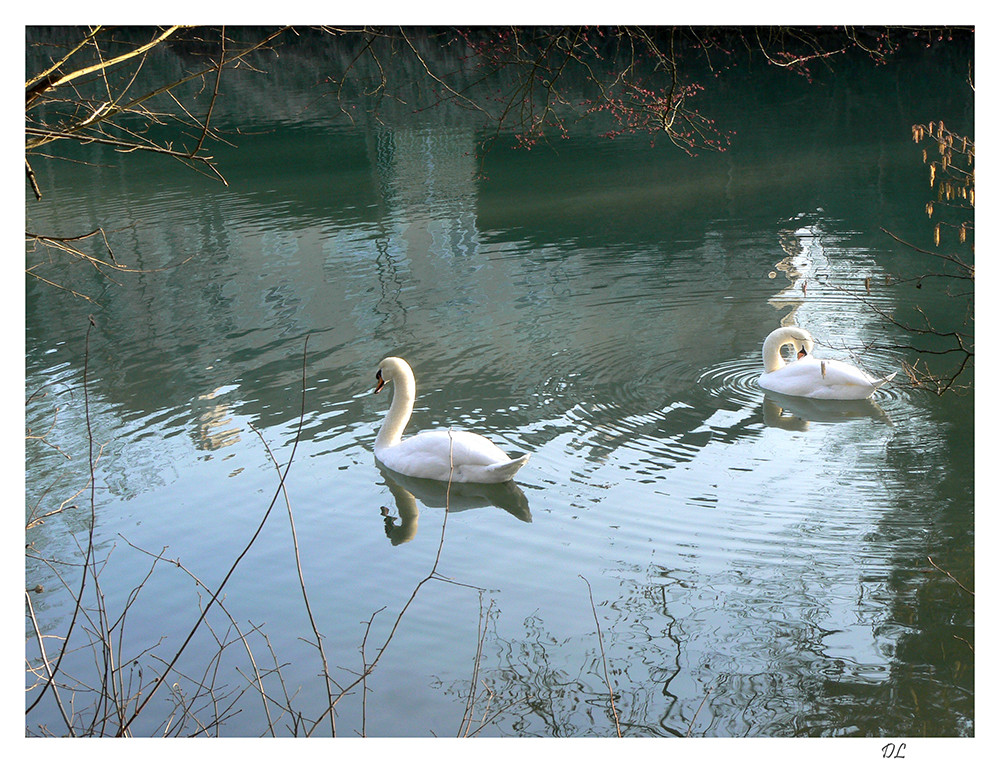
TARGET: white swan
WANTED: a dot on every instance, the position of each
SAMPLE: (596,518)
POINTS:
(440,454)
(807,376)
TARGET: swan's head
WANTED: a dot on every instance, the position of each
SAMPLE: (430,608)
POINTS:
(800,339)
(803,343)
(389,370)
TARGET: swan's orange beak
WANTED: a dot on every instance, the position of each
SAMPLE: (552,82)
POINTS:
(802,354)
(379,381)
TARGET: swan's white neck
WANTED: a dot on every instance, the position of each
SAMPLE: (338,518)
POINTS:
(772,353)
(798,338)
(398,415)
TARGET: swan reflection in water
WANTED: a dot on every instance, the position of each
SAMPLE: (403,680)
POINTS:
(795,413)
(407,491)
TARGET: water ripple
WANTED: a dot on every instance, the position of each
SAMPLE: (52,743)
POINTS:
(733,380)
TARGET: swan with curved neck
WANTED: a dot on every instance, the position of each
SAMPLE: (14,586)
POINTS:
(808,376)
(441,454)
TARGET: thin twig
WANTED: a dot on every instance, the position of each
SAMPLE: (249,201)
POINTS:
(364,677)
(968,270)
(604,659)
(693,719)
(966,642)
(215,93)
(934,565)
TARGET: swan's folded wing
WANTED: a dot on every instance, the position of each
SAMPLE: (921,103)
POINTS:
(415,460)
(820,379)
(440,454)
(847,375)
(471,448)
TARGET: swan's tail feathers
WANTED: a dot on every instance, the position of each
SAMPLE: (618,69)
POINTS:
(505,470)
(886,380)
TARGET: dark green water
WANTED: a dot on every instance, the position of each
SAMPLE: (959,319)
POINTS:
(757,568)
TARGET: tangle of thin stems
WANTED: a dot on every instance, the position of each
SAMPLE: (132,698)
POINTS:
(284,475)
(367,668)
(90,535)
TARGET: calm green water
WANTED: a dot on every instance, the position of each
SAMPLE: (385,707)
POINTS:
(757,568)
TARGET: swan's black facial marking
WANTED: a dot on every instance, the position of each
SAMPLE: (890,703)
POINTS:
(802,354)
(379,381)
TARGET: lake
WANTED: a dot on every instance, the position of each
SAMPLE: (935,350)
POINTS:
(730,563)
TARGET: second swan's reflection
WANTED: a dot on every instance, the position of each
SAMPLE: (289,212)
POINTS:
(407,491)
